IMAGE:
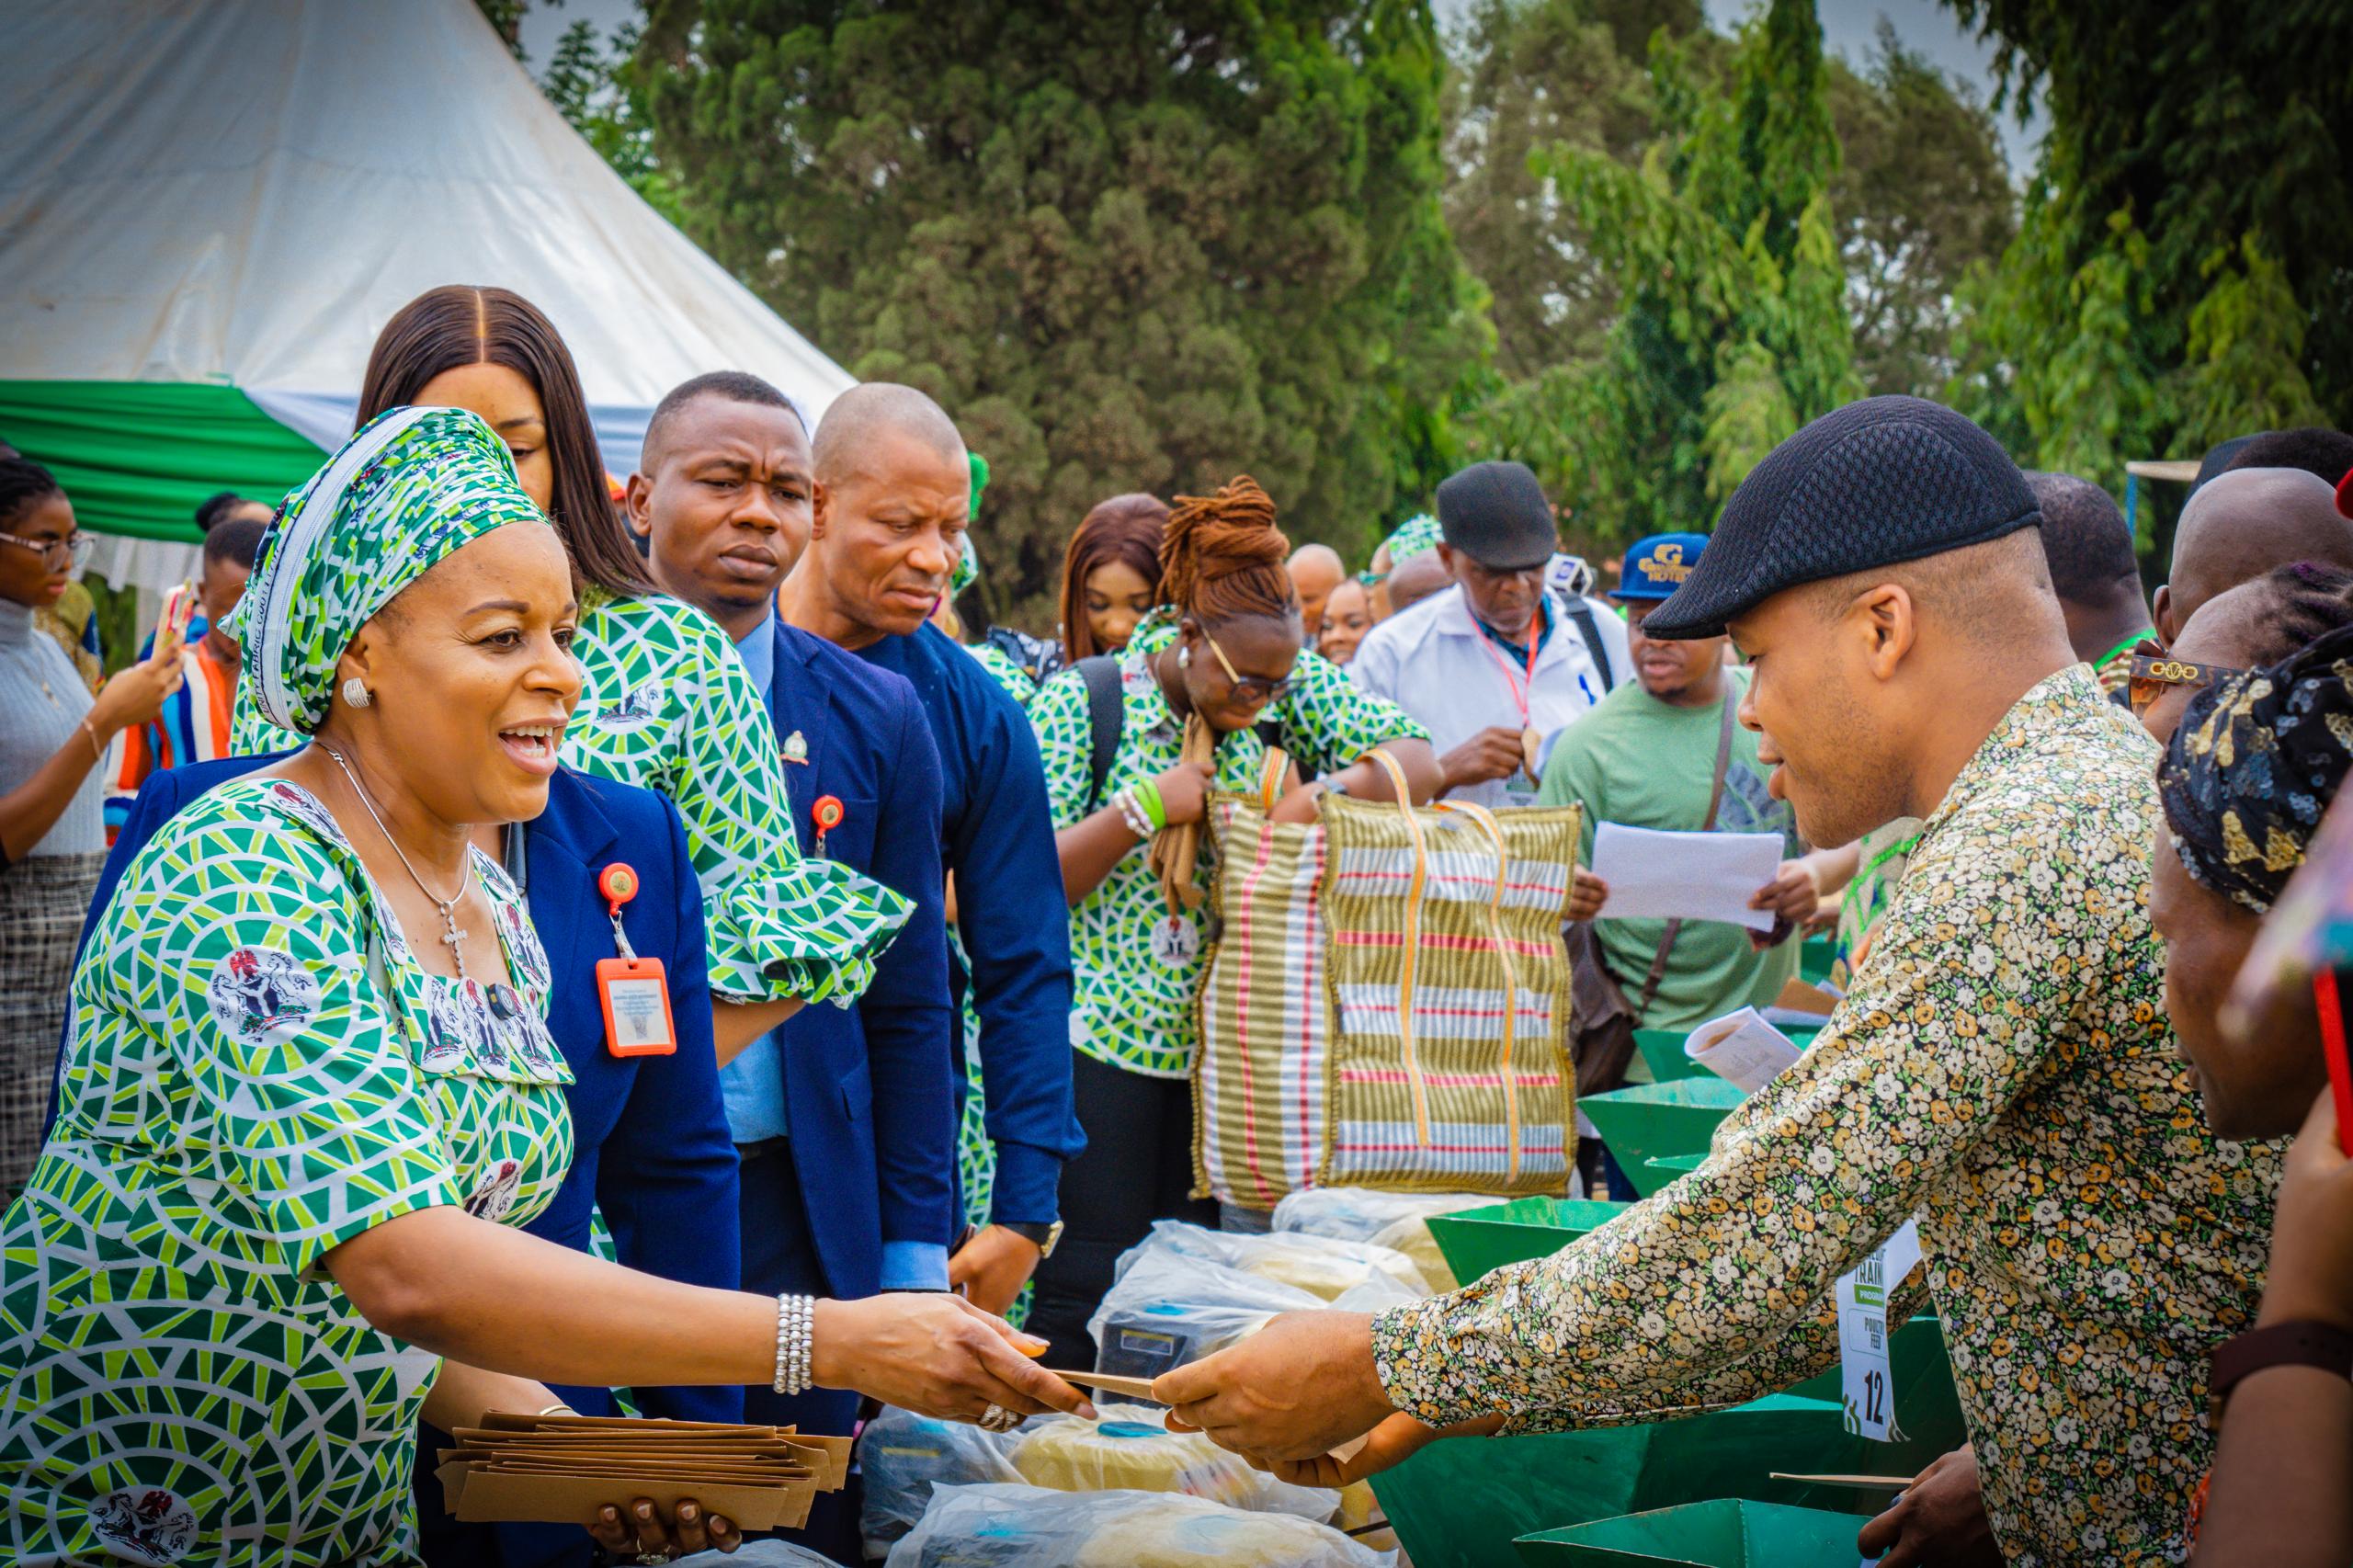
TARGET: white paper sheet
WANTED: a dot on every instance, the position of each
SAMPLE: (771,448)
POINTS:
(1688,876)
(1742,1048)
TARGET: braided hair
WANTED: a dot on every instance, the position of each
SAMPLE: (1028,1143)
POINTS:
(1221,556)
(22,483)
(2306,602)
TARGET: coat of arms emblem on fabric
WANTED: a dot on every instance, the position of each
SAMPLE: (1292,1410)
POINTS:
(146,1525)
(258,994)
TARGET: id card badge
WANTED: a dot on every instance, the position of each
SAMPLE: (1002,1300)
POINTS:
(636,995)
(634,991)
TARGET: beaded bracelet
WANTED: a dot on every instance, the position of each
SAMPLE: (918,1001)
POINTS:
(1133,813)
(795,1343)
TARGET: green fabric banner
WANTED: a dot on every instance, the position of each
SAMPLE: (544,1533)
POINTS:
(136,456)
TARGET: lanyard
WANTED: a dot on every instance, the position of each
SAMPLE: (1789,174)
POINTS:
(1521,687)
(2126,646)
(1865,885)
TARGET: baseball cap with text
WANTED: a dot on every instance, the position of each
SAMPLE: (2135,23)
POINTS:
(1656,566)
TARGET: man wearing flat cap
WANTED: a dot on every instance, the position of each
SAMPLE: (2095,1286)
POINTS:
(2001,1067)
(1497,662)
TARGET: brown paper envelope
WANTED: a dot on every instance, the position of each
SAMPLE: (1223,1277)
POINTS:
(492,1497)
(1799,996)
(626,1476)
(452,1477)
(1130,1388)
(514,1421)
(835,1472)
(586,1443)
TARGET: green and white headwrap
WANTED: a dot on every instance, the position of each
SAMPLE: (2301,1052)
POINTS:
(409,488)
(1414,536)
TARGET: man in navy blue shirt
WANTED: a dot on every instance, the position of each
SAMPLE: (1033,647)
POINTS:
(844,1117)
(892,497)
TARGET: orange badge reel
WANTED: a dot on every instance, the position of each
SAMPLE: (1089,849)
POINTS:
(634,991)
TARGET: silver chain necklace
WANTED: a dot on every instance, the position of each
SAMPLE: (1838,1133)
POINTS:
(453,936)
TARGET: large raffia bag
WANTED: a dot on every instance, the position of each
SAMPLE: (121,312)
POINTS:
(1387,1002)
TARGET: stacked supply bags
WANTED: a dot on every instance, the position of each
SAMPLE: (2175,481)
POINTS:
(1387,1002)
(1399,1220)
(1089,1490)
(1024,1527)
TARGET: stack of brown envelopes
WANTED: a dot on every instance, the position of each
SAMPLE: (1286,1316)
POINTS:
(563,1469)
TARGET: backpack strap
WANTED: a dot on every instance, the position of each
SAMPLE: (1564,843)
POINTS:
(1581,613)
(1107,715)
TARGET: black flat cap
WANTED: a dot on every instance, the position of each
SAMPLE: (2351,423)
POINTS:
(1880,482)
(1496,514)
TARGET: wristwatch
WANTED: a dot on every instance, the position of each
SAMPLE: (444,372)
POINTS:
(1042,1237)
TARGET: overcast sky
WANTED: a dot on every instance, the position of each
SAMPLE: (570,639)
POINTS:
(1849,26)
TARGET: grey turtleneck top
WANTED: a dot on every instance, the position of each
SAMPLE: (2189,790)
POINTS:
(42,703)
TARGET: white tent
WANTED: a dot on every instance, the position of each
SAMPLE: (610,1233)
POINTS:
(204,199)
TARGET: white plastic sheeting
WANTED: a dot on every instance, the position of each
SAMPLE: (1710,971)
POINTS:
(243,191)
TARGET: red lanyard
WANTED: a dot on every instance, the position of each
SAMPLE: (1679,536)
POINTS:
(1521,688)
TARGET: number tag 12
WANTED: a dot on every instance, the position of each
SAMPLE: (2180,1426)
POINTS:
(1865,1375)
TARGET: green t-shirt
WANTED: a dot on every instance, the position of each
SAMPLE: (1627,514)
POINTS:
(1638,761)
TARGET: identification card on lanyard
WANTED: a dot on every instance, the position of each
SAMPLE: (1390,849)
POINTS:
(1522,687)
(1866,1384)
(635,992)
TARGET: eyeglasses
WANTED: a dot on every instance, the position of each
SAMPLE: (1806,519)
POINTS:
(1248,688)
(74,550)
(2153,670)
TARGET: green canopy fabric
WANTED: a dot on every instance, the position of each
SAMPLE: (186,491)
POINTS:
(136,456)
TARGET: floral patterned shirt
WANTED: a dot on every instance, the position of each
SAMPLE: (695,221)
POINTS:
(1135,962)
(258,1070)
(2002,1068)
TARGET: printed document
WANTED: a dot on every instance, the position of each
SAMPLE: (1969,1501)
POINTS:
(1686,876)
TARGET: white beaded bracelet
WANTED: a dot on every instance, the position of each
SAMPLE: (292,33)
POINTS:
(796,1318)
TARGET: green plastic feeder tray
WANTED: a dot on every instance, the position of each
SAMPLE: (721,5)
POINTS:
(1461,1502)
(1476,1241)
(1662,1050)
(1644,1122)
(1676,1166)
(1725,1533)
(1816,956)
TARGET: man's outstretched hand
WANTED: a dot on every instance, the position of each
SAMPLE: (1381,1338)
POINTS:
(1295,1390)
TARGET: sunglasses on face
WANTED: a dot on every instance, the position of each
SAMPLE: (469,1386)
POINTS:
(1248,688)
(2153,670)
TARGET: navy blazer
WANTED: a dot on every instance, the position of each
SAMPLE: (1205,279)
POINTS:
(869,1101)
(1011,912)
(650,1141)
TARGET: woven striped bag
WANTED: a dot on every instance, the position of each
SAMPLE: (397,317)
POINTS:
(1387,1002)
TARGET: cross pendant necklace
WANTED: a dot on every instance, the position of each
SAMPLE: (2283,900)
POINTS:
(453,936)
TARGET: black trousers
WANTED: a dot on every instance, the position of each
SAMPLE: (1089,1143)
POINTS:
(1138,1167)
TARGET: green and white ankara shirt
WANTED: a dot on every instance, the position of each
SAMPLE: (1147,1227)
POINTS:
(667,706)
(258,1071)
(1135,965)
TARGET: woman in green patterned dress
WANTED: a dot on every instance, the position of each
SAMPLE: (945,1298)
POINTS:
(309,1092)
(667,704)
(1225,648)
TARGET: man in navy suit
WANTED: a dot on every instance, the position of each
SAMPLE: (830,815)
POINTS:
(844,1119)
(650,1143)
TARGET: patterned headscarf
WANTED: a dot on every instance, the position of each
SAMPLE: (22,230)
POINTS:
(411,487)
(1415,536)
(2253,766)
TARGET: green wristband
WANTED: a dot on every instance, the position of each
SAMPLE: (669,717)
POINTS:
(1147,794)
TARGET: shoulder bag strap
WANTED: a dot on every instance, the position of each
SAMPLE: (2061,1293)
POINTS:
(1105,717)
(1715,800)
(1582,614)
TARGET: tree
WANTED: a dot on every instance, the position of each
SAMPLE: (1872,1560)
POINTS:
(1129,247)
(2184,269)
(1922,196)
(593,83)
(1730,328)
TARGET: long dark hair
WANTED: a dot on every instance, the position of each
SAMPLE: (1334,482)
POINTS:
(459,324)
(1126,528)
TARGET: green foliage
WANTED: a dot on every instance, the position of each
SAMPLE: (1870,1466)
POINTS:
(594,83)
(1132,247)
(2184,269)
(1731,328)
(506,17)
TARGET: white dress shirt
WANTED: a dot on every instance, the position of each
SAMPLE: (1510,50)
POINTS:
(1435,663)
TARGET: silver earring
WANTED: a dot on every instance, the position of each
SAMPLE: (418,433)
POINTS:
(355,692)
(1184,658)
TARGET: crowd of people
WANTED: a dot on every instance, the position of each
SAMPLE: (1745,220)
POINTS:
(410,962)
